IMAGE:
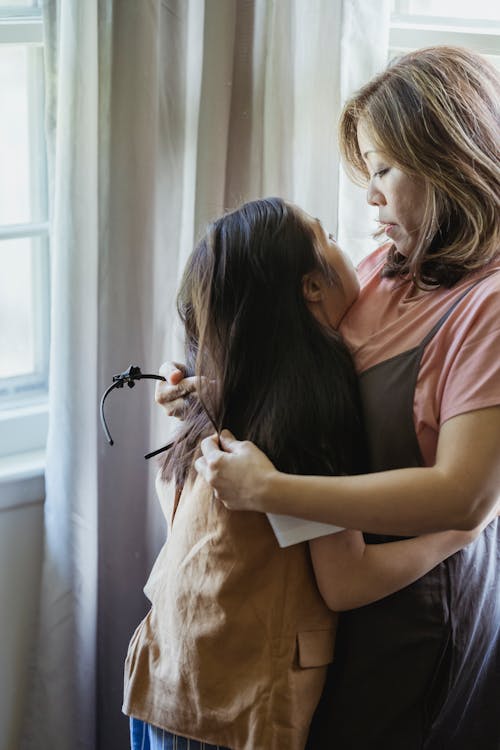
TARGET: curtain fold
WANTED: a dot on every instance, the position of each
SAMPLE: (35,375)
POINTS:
(160,115)
(68,603)
(364,45)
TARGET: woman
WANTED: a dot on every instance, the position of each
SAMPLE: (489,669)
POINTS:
(234,650)
(422,667)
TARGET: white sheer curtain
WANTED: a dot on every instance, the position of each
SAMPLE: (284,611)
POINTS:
(66,661)
(364,47)
(161,114)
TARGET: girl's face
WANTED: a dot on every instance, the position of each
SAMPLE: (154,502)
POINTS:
(329,301)
(399,197)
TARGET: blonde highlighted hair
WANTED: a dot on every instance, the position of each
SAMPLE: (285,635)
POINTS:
(435,113)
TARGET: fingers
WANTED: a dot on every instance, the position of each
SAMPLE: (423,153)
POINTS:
(173,372)
(165,392)
(228,441)
(201,467)
(237,471)
(208,463)
(171,392)
(210,447)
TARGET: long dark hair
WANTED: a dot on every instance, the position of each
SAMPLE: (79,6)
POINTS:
(267,370)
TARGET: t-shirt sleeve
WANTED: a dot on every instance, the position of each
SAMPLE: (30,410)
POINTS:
(472,379)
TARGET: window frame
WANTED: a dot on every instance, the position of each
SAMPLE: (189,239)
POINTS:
(24,398)
(410,31)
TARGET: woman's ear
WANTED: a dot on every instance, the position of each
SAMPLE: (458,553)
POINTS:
(312,286)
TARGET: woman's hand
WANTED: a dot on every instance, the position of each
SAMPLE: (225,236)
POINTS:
(240,474)
(171,393)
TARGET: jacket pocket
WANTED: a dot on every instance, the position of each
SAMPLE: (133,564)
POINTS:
(315,647)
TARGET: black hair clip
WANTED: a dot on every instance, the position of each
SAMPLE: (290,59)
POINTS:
(129,377)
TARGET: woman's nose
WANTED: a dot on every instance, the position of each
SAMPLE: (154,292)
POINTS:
(374,196)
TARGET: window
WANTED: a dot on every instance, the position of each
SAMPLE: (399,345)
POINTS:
(24,231)
(423,23)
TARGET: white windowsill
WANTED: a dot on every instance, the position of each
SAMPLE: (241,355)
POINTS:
(23,430)
(22,480)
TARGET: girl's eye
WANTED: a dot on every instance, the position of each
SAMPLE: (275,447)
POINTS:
(381,172)
(332,238)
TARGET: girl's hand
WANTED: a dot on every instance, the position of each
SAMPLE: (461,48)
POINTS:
(171,393)
(240,474)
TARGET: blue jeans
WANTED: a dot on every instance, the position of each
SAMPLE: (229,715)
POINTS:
(147,737)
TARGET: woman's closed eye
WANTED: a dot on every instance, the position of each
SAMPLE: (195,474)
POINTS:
(381,172)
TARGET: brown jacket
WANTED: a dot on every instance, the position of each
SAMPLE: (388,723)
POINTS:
(235,648)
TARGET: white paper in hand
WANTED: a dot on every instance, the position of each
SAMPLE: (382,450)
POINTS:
(289,530)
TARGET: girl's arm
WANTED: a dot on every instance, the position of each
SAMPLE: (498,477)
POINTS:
(350,573)
(458,492)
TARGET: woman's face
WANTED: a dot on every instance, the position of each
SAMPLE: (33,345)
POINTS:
(399,197)
(329,301)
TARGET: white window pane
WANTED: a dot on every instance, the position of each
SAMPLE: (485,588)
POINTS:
(479,9)
(17,4)
(17,313)
(21,145)
(494,60)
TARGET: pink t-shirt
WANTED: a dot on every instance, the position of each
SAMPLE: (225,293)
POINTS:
(460,369)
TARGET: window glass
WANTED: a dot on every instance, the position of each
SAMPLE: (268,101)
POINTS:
(5,5)
(19,135)
(24,231)
(17,308)
(425,23)
(478,9)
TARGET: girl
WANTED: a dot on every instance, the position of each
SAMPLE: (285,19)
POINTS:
(235,648)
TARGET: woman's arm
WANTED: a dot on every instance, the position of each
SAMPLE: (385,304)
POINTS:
(350,573)
(458,492)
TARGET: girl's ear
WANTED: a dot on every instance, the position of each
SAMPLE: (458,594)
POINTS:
(312,286)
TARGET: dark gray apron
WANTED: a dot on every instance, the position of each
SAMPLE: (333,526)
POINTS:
(418,670)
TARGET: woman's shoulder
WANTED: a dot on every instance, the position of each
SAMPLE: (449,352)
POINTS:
(472,309)
(491,272)
(484,283)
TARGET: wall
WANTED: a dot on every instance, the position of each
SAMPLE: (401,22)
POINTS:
(21,541)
